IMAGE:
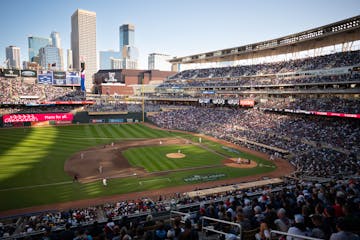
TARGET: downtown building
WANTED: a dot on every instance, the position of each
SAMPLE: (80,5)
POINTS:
(34,44)
(129,53)
(158,61)
(106,58)
(51,57)
(83,44)
(69,60)
(13,57)
(47,52)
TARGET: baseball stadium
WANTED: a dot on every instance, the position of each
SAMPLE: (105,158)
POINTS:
(243,151)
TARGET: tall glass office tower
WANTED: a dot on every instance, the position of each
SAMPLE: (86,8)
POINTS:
(51,57)
(127,35)
(105,58)
(55,38)
(35,43)
(129,52)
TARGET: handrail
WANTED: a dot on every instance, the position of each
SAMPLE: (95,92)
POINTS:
(293,235)
(220,221)
(178,213)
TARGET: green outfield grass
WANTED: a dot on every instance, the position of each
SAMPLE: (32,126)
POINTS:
(32,163)
(154,159)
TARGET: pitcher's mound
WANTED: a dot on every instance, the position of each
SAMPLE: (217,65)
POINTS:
(240,163)
(175,155)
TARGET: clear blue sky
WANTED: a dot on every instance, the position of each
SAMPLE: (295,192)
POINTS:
(178,28)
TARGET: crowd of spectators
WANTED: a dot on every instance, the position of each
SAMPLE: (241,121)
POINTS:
(38,109)
(14,90)
(318,147)
(328,146)
(259,81)
(331,104)
(122,107)
(341,59)
(326,210)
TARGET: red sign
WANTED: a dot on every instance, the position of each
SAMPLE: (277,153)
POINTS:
(10,118)
(333,114)
(68,102)
(247,102)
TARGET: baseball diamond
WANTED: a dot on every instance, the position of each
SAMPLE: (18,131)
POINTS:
(128,153)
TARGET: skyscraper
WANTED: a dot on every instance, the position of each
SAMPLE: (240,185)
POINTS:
(35,43)
(129,52)
(69,60)
(51,57)
(13,57)
(55,38)
(83,43)
(127,35)
(105,62)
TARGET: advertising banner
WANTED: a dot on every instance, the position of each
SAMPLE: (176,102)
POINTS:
(218,101)
(204,100)
(11,73)
(233,101)
(28,73)
(116,120)
(247,103)
(328,114)
(40,117)
(208,92)
(87,102)
(73,78)
(97,120)
(82,84)
(333,114)
(59,78)
(46,78)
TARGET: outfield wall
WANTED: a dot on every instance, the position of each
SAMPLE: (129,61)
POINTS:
(77,118)
(85,117)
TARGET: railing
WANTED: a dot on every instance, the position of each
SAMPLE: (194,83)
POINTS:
(142,215)
(293,236)
(182,214)
(211,228)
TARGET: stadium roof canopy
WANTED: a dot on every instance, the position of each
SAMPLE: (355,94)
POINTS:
(340,32)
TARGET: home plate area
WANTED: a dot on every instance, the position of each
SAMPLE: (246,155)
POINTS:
(240,163)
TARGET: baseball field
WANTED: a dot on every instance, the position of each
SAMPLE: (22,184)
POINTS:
(37,165)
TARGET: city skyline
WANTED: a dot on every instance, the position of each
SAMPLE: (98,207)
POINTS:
(174,28)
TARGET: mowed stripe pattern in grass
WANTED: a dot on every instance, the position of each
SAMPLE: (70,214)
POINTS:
(153,158)
(36,156)
(32,162)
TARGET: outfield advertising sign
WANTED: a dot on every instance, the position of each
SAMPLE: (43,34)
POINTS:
(116,120)
(204,178)
(41,117)
(97,120)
